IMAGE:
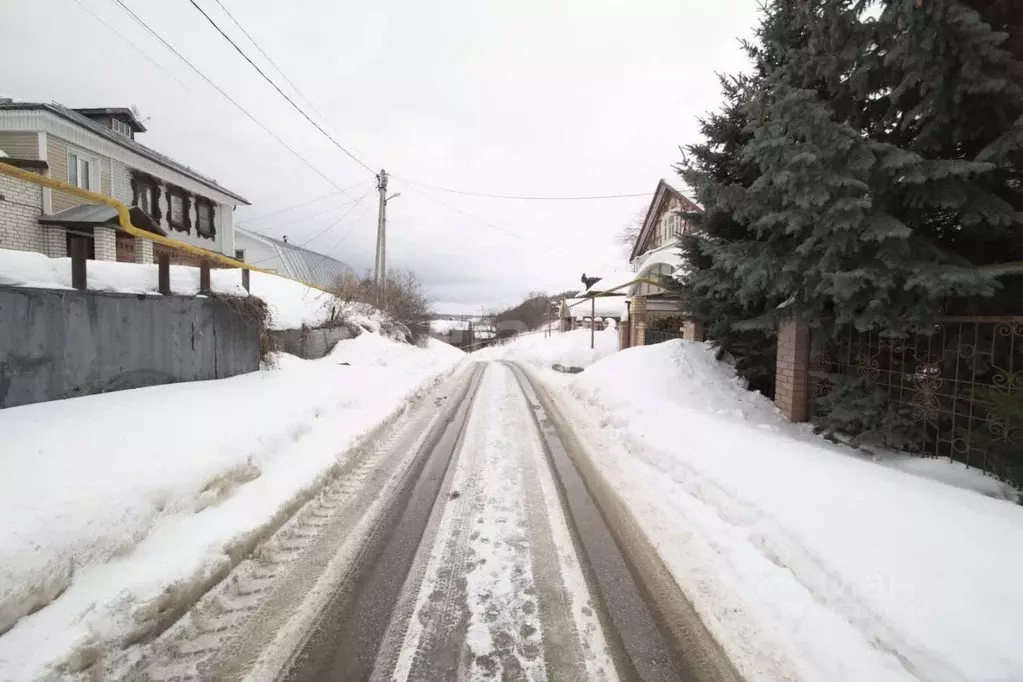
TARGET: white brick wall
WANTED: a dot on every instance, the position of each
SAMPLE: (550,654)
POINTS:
(105,243)
(55,242)
(143,251)
(20,206)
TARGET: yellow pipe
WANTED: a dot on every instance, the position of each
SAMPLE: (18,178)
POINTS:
(124,220)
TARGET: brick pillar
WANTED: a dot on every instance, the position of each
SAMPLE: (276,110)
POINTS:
(144,251)
(791,384)
(105,243)
(55,242)
(623,335)
(692,330)
(637,321)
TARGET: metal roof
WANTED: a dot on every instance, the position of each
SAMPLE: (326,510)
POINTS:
(92,214)
(121,140)
(115,111)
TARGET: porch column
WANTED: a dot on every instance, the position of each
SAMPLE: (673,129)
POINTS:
(637,321)
(792,372)
(144,251)
(692,330)
(105,243)
(623,334)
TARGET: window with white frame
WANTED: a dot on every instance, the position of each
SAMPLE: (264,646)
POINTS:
(82,170)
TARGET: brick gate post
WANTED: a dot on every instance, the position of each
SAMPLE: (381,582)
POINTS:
(792,371)
(637,321)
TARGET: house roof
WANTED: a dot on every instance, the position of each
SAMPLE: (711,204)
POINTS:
(121,140)
(133,120)
(662,195)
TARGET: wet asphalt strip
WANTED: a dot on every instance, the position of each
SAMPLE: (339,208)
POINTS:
(345,642)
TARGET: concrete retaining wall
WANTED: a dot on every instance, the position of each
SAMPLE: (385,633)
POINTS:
(311,344)
(63,344)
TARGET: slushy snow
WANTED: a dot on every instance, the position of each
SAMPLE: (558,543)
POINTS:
(806,560)
(116,505)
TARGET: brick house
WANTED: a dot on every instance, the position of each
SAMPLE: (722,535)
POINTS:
(96,149)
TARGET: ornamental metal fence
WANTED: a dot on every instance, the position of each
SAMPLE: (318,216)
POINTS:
(960,387)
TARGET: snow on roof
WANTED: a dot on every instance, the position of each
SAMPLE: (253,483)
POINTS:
(606,306)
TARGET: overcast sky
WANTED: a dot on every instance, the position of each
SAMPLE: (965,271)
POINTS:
(527,97)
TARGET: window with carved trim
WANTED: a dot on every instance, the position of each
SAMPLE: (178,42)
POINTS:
(204,218)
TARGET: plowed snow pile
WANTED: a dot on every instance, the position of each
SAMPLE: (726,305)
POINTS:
(806,560)
(116,506)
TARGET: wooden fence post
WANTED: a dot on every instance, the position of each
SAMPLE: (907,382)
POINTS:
(79,256)
(204,278)
(163,272)
(245,278)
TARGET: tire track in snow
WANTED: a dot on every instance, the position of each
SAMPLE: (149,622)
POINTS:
(503,594)
(223,635)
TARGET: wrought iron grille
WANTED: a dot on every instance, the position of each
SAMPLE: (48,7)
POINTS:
(654,336)
(961,386)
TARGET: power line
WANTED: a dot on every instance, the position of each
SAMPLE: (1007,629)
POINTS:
(129,42)
(321,232)
(269,59)
(328,227)
(240,108)
(342,239)
(303,204)
(519,197)
(299,109)
(499,228)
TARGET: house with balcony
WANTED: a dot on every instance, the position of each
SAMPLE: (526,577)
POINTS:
(97,149)
(648,312)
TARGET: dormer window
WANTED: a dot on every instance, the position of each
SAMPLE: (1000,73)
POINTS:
(121,127)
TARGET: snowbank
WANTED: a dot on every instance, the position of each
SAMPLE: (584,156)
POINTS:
(120,502)
(569,349)
(292,304)
(807,561)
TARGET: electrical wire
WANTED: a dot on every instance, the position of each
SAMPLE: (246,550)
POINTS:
(499,228)
(240,108)
(269,59)
(281,226)
(299,109)
(519,197)
(132,44)
(246,221)
(328,227)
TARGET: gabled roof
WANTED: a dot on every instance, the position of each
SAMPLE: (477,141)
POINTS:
(119,112)
(662,195)
(121,140)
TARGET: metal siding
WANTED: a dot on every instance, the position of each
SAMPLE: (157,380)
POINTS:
(20,145)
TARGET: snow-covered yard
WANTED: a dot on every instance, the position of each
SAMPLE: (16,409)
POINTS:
(117,505)
(807,560)
(568,349)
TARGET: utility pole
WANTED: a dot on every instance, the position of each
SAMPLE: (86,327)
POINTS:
(379,265)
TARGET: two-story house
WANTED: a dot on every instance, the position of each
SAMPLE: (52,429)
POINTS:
(649,312)
(96,149)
